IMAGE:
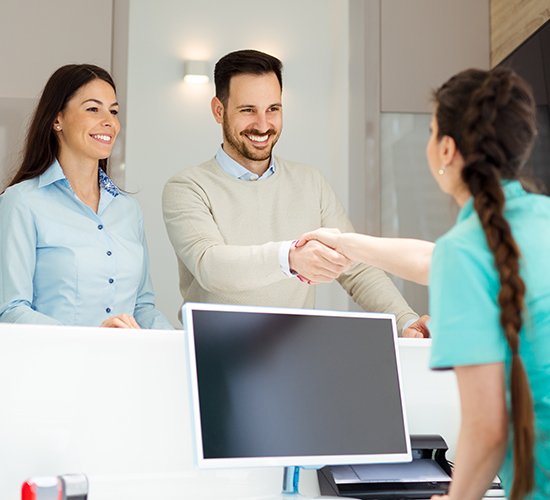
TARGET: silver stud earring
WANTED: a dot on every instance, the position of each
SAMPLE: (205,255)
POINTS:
(442,169)
(58,127)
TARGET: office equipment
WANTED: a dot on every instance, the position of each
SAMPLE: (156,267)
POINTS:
(428,474)
(294,387)
(74,486)
(42,488)
(62,487)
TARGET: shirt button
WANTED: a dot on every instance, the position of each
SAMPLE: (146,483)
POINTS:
(109,253)
(100,227)
(108,310)
(111,280)
(254,177)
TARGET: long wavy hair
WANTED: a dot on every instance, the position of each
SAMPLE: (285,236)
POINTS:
(491,115)
(41,144)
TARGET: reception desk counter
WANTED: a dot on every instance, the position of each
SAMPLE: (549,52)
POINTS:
(115,405)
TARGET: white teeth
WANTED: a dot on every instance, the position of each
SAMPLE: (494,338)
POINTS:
(102,137)
(258,138)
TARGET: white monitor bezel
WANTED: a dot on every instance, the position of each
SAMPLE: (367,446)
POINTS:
(310,461)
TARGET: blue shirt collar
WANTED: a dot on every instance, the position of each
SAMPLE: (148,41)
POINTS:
(55,173)
(512,189)
(236,170)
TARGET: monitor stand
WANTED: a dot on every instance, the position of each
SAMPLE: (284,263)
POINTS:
(291,478)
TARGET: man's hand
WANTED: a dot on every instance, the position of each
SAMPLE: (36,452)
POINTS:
(418,329)
(317,262)
(120,321)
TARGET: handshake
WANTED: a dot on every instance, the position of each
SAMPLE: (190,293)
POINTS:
(320,256)
(316,257)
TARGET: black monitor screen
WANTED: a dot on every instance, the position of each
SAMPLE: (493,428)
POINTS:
(300,386)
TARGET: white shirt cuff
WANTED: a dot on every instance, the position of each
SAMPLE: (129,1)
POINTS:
(284,250)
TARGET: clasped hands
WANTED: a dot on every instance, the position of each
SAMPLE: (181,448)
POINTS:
(315,257)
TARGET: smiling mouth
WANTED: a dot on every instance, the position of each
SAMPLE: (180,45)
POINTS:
(258,138)
(103,138)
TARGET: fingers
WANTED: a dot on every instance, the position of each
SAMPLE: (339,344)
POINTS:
(130,320)
(411,333)
(325,235)
(120,321)
(418,329)
(317,262)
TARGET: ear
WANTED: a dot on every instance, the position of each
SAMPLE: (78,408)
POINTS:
(57,123)
(447,150)
(217,109)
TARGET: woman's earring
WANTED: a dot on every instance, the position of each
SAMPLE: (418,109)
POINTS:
(442,169)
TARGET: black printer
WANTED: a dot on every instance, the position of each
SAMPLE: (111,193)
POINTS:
(428,474)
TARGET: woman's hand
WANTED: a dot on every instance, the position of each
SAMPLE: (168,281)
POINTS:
(120,321)
(327,236)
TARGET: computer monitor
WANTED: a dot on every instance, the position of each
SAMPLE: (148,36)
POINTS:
(294,387)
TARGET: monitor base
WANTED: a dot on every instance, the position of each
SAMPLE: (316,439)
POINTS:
(291,477)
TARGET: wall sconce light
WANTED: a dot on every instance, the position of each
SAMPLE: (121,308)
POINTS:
(196,71)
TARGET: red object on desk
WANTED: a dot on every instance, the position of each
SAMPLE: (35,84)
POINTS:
(42,488)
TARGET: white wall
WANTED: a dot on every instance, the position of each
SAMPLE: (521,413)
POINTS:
(169,125)
(36,38)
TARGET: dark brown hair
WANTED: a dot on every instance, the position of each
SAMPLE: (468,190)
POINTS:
(244,62)
(41,144)
(491,115)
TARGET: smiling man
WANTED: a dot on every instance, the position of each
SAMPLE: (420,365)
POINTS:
(233,221)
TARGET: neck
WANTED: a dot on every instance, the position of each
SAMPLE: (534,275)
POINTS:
(257,167)
(83,179)
(462,196)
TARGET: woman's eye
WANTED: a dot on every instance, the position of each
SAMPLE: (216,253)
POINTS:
(93,109)
(114,112)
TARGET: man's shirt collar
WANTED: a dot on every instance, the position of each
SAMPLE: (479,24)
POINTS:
(236,170)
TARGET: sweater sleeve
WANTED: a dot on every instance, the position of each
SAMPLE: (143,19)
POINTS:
(218,267)
(368,286)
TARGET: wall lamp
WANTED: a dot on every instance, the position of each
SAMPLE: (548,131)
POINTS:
(196,71)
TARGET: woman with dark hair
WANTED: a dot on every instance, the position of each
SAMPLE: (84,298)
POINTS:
(72,246)
(488,280)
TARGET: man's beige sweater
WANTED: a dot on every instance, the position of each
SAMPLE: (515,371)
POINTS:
(227,233)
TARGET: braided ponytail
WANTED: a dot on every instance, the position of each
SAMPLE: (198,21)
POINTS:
(494,135)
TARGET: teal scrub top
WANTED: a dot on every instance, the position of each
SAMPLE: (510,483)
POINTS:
(465,322)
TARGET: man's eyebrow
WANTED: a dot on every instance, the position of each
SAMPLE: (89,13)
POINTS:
(254,106)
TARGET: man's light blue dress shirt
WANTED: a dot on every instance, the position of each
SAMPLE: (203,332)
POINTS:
(465,324)
(61,263)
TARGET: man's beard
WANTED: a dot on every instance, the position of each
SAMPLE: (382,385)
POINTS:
(244,149)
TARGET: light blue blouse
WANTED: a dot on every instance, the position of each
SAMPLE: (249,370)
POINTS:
(61,263)
(465,323)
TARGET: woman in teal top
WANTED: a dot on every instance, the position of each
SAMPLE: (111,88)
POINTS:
(489,282)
